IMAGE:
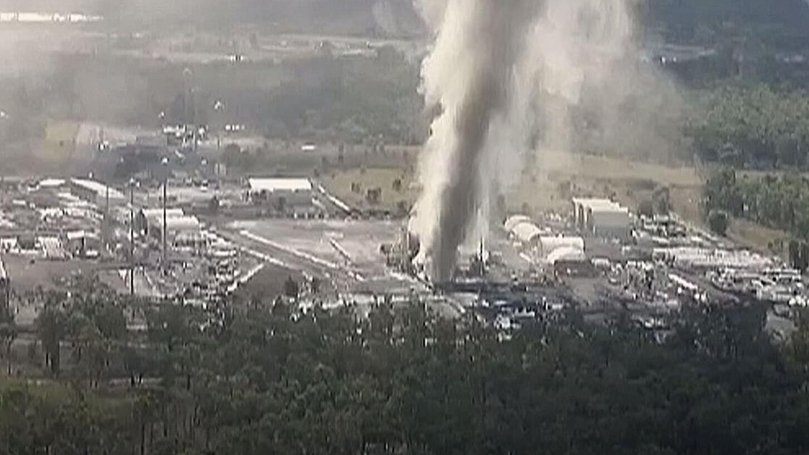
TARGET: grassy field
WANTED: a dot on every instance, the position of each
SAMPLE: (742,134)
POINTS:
(592,167)
(547,185)
(556,177)
(339,184)
(758,237)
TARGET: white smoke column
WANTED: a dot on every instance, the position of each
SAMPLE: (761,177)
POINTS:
(582,57)
(503,77)
(466,75)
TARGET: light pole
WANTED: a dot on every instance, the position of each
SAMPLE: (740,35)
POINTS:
(165,163)
(132,184)
(187,75)
(218,107)
(106,228)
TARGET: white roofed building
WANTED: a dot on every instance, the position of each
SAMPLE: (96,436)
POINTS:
(514,220)
(602,218)
(565,253)
(282,194)
(548,244)
(272,185)
(148,218)
(527,233)
(179,229)
(158,213)
(97,192)
(50,183)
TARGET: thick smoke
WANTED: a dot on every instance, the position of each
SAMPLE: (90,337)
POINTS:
(508,81)
(466,77)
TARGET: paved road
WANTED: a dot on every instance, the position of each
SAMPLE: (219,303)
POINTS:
(344,252)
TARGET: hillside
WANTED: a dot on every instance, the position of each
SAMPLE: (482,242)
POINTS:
(367,17)
(784,23)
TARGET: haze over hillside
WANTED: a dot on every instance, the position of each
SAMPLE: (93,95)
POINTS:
(778,21)
(680,20)
(410,227)
(382,17)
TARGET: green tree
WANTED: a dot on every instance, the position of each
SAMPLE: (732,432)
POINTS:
(52,327)
(8,333)
(718,222)
(291,288)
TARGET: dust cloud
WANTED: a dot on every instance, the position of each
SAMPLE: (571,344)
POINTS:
(513,79)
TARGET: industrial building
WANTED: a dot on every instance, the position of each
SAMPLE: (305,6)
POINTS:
(83,244)
(528,234)
(602,218)
(691,258)
(515,220)
(179,228)
(542,242)
(293,195)
(570,261)
(50,184)
(97,193)
(548,245)
(146,219)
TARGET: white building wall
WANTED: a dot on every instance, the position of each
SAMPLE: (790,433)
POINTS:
(612,224)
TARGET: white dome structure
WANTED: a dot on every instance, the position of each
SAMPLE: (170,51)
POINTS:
(515,220)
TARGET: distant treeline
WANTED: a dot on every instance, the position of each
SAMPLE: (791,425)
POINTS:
(779,202)
(349,99)
(263,378)
(781,23)
(352,17)
(756,127)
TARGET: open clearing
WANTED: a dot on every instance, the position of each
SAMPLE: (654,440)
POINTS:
(346,254)
(547,185)
(383,178)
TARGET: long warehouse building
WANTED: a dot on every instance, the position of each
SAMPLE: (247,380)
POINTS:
(602,218)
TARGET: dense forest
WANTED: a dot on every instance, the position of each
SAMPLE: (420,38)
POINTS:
(775,201)
(262,377)
(756,126)
(777,22)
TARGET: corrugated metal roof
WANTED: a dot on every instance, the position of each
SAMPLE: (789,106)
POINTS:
(151,214)
(51,183)
(553,243)
(609,209)
(99,188)
(585,201)
(600,205)
(182,223)
(280,184)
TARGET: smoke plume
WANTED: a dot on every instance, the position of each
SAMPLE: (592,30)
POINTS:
(508,80)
